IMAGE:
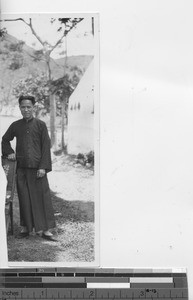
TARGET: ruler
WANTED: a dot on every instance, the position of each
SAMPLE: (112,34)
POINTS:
(88,283)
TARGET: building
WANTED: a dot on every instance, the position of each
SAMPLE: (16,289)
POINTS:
(81,115)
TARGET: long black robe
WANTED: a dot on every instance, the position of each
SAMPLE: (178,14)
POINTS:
(32,153)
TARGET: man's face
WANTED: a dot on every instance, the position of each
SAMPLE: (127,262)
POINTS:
(26,108)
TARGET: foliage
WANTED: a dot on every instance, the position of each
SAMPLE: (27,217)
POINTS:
(12,54)
(38,55)
(65,86)
(3,32)
(16,46)
(67,23)
(69,82)
(86,159)
(90,157)
(16,61)
(36,86)
(4,53)
(40,88)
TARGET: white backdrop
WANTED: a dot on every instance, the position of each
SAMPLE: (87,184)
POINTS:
(146,138)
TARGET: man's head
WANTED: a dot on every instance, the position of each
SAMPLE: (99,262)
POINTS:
(26,105)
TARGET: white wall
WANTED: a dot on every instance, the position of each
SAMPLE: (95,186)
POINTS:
(146,109)
(81,121)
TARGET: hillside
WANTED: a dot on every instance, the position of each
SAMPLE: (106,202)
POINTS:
(82,61)
(18,61)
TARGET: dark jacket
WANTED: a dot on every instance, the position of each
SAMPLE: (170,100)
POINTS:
(32,144)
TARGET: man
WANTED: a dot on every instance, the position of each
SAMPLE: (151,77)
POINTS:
(33,162)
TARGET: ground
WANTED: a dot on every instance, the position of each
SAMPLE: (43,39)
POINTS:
(72,191)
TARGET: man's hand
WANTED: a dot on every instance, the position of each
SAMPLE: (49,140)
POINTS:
(11,156)
(41,173)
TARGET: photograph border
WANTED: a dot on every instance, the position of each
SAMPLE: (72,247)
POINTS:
(96,261)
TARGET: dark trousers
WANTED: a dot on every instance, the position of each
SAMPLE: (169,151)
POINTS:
(35,204)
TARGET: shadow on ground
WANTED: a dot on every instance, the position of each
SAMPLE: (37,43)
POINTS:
(75,211)
(74,233)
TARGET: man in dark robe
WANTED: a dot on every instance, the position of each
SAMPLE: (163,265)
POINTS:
(33,162)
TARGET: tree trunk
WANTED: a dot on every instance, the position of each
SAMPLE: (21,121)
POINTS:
(52,121)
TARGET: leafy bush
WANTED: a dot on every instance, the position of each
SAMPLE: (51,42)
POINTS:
(38,55)
(16,47)
(4,52)
(90,157)
(15,65)
(16,62)
(36,86)
(3,32)
(86,159)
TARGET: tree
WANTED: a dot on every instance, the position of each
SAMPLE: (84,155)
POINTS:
(66,25)
(11,57)
(38,87)
(64,87)
(66,84)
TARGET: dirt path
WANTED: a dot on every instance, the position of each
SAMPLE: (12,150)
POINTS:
(71,180)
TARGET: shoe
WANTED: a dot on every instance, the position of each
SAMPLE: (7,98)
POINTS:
(22,235)
(48,237)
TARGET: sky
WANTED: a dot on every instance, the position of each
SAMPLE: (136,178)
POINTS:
(79,41)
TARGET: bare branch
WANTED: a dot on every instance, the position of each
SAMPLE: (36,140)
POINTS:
(28,24)
(34,33)
(13,20)
(66,31)
(58,42)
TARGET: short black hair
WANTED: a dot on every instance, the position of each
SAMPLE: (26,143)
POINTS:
(27,97)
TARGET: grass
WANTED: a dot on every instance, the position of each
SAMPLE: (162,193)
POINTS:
(74,233)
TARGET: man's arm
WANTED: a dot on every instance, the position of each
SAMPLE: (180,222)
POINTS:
(7,150)
(45,163)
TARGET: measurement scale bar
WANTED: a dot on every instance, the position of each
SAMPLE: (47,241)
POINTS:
(110,285)
(151,280)
(94,284)
(63,280)
(55,293)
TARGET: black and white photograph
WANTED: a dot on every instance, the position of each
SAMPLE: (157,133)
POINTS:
(145,138)
(49,110)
